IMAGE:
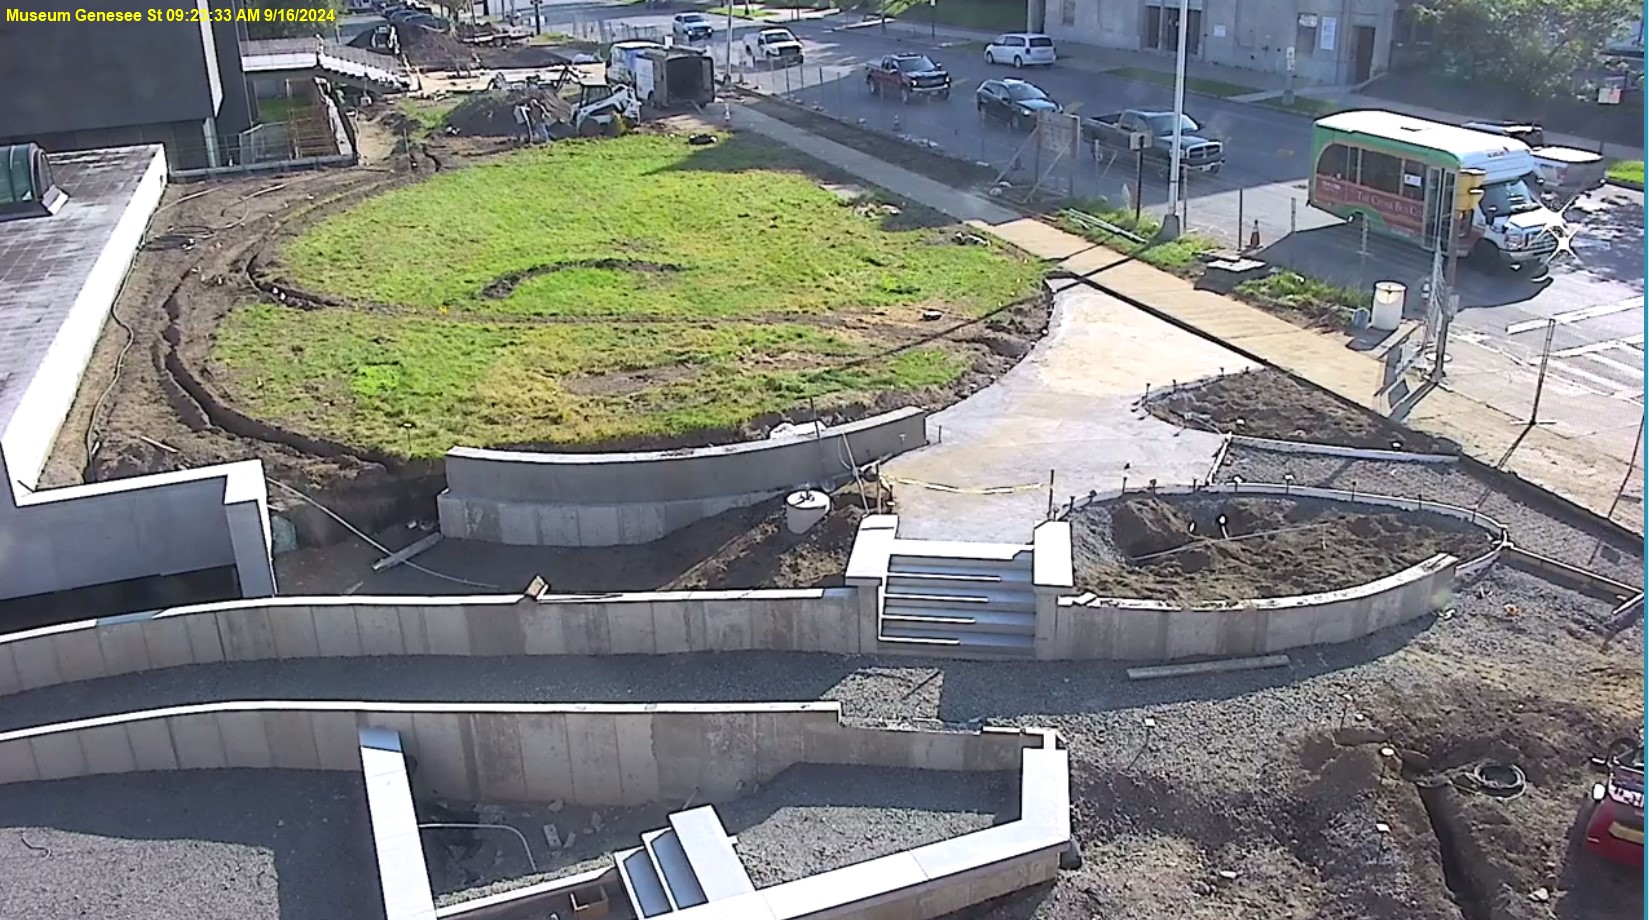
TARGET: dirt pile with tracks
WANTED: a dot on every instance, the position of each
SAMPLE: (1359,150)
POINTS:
(1197,549)
(1269,403)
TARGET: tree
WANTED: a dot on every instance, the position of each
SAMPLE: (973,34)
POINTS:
(1531,46)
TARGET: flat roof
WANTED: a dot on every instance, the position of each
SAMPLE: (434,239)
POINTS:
(45,262)
(1462,142)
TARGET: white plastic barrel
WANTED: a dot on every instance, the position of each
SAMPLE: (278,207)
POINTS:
(804,509)
(1387,314)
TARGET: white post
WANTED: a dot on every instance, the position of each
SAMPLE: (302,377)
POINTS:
(1170,223)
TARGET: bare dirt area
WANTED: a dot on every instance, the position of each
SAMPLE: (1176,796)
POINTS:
(743,548)
(440,51)
(144,408)
(1268,403)
(1201,549)
(949,170)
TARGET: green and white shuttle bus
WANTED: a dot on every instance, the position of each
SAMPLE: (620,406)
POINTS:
(1398,173)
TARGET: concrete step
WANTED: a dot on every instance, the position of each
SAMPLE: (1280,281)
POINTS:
(905,563)
(952,621)
(983,644)
(1017,601)
(937,578)
(642,883)
(675,870)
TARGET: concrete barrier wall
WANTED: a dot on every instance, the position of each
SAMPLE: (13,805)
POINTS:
(589,754)
(1091,627)
(802,620)
(536,499)
(165,524)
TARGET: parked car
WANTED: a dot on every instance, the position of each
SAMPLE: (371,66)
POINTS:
(908,76)
(1197,153)
(1013,101)
(691,27)
(1563,170)
(772,48)
(1022,49)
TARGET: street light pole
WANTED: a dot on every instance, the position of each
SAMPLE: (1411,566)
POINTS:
(1170,223)
(728,76)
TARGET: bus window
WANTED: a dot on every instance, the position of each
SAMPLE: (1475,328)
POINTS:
(1414,180)
(1381,172)
(1335,162)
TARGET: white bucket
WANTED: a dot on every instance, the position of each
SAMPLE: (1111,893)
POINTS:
(1387,314)
(804,509)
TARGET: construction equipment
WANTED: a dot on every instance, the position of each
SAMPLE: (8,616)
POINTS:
(1614,829)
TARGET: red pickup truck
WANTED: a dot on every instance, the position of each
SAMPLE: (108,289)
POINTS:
(908,76)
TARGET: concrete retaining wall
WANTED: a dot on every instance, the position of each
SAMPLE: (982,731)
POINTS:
(1129,630)
(165,524)
(803,620)
(588,754)
(536,499)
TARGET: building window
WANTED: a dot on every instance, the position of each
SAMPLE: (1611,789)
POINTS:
(1067,12)
(1414,180)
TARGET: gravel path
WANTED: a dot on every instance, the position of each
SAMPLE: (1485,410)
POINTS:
(814,818)
(1530,528)
(809,819)
(1225,781)
(230,844)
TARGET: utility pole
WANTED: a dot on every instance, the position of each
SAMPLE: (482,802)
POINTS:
(728,76)
(1171,222)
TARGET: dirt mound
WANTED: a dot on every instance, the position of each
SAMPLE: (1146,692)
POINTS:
(1270,404)
(492,113)
(440,51)
(1198,549)
(769,555)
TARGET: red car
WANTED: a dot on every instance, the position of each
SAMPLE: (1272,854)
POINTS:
(1615,829)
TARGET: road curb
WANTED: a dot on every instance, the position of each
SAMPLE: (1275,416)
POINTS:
(1624,183)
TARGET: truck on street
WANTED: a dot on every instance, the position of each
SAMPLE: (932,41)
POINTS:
(907,77)
(1563,170)
(1198,154)
(663,78)
(1418,180)
(770,48)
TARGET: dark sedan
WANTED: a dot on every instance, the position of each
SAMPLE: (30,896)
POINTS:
(1015,102)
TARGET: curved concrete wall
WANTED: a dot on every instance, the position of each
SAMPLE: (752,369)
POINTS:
(1132,630)
(535,499)
(589,754)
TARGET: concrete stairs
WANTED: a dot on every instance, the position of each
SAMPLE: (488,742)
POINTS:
(688,864)
(973,597)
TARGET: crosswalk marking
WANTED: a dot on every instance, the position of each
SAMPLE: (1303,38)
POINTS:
(1628,342)
(1612,364)
(1576,316)
(1600,385)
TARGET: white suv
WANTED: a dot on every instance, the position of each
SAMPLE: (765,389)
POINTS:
(1021,49)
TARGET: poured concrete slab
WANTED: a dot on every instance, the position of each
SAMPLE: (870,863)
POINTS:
(1068,407)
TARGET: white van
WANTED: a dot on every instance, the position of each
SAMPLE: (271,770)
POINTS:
(1022,49)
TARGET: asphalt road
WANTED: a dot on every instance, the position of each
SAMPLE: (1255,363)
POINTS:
(1597,296)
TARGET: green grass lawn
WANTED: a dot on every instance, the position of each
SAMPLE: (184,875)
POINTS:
(1627,171)
(1178,256)
(1192,84)
(282,109)
(745,289)
(427,114)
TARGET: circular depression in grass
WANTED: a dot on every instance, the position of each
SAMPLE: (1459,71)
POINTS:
(616,290)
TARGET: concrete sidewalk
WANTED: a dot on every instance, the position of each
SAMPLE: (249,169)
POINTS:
(1570,467)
